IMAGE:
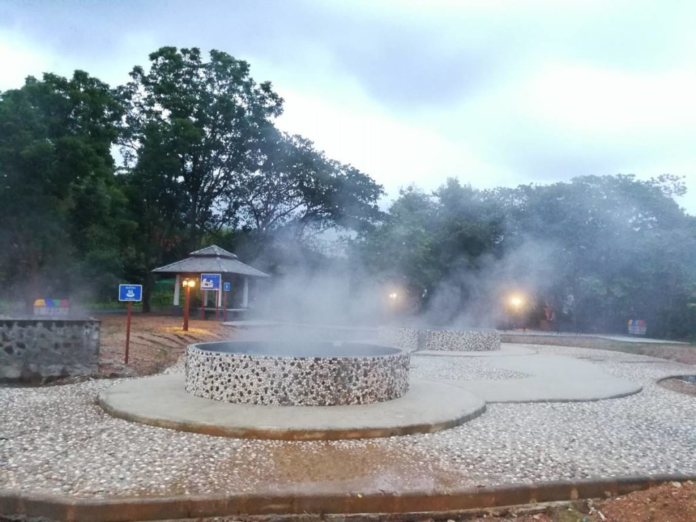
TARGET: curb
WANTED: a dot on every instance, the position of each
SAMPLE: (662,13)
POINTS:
(132,509)
(293,435)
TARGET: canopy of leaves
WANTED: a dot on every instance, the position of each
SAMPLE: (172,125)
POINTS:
(192,123)
(59,205)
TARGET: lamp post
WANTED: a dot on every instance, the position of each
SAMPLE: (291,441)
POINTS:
(188,285)
(393,304)
(516,304)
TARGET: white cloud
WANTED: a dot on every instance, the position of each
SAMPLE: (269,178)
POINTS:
(415,91)
(600,101)
(20,58)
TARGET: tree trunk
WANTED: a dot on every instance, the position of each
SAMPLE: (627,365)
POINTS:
(148,284)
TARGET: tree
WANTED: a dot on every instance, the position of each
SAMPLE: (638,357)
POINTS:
(199,119)
(622,246)
(58,199)
(294,190)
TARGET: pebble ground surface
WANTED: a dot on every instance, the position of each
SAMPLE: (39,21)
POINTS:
(56,439)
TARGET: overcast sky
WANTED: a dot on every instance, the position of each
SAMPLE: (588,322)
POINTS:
(494,92)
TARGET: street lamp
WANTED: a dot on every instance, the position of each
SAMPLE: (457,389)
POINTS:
(516,308)
(188,285)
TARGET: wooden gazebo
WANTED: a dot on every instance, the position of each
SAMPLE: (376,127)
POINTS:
(215,260)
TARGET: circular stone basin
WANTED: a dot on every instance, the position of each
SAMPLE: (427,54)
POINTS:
(680,383)
(470,340)
(442,339)
(296,373)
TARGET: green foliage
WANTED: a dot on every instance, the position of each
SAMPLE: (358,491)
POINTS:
(188,130)
(625,247)
(427,238)
(293,191)
(597,250)
(59,202)
(204,163)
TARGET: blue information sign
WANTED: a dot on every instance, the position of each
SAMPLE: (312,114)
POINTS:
(226,287)
(130,292)
(210,281)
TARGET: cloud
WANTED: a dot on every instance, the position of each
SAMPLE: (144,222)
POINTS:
(492,91)
(20,59)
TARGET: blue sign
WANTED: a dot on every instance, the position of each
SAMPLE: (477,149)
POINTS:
(130,292)
(226,287)
(210,281)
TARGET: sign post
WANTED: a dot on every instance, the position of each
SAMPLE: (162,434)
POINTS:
(129,294)
(226,287)
(209,282)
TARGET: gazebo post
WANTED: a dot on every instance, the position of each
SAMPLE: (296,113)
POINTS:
(245,295)
(177,285)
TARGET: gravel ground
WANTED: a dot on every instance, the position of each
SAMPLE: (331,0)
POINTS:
(56,439)
(458,368)
(156,342)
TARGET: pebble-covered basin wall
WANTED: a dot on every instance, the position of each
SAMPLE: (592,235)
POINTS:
(298,374)
(462,340)
(412,339)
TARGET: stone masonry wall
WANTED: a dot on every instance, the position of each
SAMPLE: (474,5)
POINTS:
(38,350)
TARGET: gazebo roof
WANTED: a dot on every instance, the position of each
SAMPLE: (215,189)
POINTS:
(210,260)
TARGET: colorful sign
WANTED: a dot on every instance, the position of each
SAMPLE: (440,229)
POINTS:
(637,327)
(210,281)
(130,292)
(51,307)
(226,287)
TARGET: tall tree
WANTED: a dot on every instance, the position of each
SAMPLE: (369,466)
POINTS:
(57,192)
(622,247)
(294,189)
(200,116)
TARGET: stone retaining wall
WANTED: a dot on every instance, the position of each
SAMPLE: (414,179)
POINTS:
(39,350)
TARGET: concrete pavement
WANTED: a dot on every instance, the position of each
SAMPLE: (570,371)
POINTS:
(162,401)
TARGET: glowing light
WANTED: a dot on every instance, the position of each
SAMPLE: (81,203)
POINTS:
(516,301)
(190,283)
(393,296)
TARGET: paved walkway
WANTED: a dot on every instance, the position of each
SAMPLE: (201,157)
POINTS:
(553,378)
(612,337)
(162,401)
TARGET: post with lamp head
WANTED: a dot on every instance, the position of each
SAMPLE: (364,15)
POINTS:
(188,285)
(517,309)
(393,303)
